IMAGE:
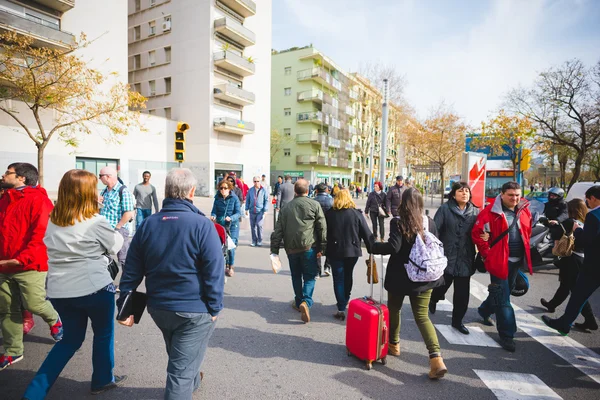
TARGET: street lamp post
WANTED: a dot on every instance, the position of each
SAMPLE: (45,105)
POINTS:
(384,128)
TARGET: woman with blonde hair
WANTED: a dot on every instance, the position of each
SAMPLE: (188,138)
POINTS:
(346,227)
(79,284)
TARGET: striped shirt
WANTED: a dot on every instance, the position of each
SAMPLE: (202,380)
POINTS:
(112,209)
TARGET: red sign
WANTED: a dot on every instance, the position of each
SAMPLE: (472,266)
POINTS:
(476,164)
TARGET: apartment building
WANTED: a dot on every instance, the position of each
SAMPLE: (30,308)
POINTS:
(207,63)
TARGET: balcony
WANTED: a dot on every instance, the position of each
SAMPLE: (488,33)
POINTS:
(343,164)
(307,159)
(333,162)
(357,165)
(311,95)
(320,76)
(335,143)
(349,146)
(235,31)
(246,8)
(353,95)
(315,138)
(313,116)
(232,125)
(58,5)
(233,94)
(350,111)
(352,129)
(234,63)
(44,34)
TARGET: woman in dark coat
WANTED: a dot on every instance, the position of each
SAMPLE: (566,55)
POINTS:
(403,233)
(226,212)
(454,221)
(376,198)
(569,266)
(346,227)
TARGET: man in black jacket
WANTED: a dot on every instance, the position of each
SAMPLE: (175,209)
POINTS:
(556,207)
(326,202)
(394,196)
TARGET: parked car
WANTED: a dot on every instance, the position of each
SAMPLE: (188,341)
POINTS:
(447,191)
(578,190)
(542,197)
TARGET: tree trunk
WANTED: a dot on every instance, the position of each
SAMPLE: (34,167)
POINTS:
(577,169)
(443,185)
(40,162)
(563,173)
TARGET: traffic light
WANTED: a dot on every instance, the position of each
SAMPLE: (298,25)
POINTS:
(525,159)
(180,141)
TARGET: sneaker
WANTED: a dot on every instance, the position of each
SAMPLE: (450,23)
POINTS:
(326,272)
(340,315)
(554,324)
(7,361)
(253,245)
(508,344)
(56,331)
(119,381)
(487,321)
(259,244)
(304,312)
(28,322)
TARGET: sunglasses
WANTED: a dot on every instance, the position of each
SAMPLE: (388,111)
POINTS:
(256,181)
(223,188)
(101,175)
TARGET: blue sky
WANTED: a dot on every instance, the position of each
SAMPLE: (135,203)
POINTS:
(468,53)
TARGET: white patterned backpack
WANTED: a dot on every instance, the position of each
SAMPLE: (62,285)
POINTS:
(426,261)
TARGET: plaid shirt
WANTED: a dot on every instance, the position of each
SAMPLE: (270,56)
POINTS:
(112,208)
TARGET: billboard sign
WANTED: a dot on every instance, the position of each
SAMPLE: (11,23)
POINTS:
(474,168)
(491,155)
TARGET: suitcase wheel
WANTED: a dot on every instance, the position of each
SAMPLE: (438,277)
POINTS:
(384,360)
(369,365)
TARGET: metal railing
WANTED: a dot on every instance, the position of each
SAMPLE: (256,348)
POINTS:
(319,72)
(234,123)
(230,88)
(307,159)
(235,59)
(44,30)
(310,95)
(309,116)
(310,138)
(335,143)
(237,27)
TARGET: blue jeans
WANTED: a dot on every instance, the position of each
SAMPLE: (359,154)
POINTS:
(256,226)
(186,338)
(587,284)
(141,215)
(342,269)
(304,269)
(74,313)
(234,232)
(498,302)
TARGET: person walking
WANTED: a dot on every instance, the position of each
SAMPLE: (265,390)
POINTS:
(24,212)
(257,203)
(285,193)
(507,218)
(117,206)
(178,253)
(588,280)
(570,266)
(375,200)
(79,284)
(145,197)
(403,235)
(394,196)
(303,229)
(326,202)
(235,189)
(264,183)
(346,227)
(226,212)
(454,221)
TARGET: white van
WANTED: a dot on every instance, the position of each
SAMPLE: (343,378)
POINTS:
(578,190)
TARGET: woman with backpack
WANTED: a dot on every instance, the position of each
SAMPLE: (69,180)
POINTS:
(404,232)
(454,221)
(226,212)
(376,200)
(569,266)
(346,227)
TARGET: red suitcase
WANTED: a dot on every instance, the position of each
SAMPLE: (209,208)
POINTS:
(367,327)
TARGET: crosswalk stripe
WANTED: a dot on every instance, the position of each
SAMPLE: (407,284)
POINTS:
(568,349)
(514,386)
(477,336)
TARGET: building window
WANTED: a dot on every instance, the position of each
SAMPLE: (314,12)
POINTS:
(137,33)
(287,91)
(138,87)
(288,70)
(151,28)
(152,87)
(287,152)
(137,61)
(287,112)
(152,57)
(138,5)
(287,131)
(168,112)
(168,54)
(168,85)
(166,26)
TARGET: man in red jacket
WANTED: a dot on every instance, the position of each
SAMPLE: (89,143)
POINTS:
(508,220)
(24,214)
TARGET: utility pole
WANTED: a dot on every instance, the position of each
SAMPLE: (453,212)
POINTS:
(384,127)
(371,164)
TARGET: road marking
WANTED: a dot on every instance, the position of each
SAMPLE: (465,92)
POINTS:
(477,337)
(444,305)
(513,386)
(568,349)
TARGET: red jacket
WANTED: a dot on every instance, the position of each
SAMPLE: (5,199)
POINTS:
(24,216)
(496,258)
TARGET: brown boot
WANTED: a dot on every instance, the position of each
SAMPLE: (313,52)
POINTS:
(438,368)
(304,312)
(394,349)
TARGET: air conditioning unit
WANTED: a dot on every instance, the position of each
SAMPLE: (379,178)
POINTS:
(166,26)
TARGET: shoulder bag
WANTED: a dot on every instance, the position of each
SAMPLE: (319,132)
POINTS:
(478,264)
(564,246)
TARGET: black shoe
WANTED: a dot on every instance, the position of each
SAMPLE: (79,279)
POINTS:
(432,306)
(461,328)
(486,320)
(119,380)
(548,305)
(508,344)
(554,324)
(587,325)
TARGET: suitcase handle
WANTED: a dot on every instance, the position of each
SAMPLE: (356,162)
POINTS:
(384,334)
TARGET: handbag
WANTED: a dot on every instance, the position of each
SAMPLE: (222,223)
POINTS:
(478,264)
(372,270)
(382,212)
(564,246)
(113,266)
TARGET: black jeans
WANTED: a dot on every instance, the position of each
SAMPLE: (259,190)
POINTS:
(462,287)
(375,218)
(587,283)
(569,272)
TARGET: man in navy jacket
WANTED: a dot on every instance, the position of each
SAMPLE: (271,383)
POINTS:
(257,203)
(179,253)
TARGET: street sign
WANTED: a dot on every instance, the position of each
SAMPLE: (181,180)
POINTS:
(553,174)
(542,170)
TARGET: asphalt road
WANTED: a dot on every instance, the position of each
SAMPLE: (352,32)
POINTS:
(261,349)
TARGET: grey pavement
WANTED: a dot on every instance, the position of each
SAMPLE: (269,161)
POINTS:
(261,349)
